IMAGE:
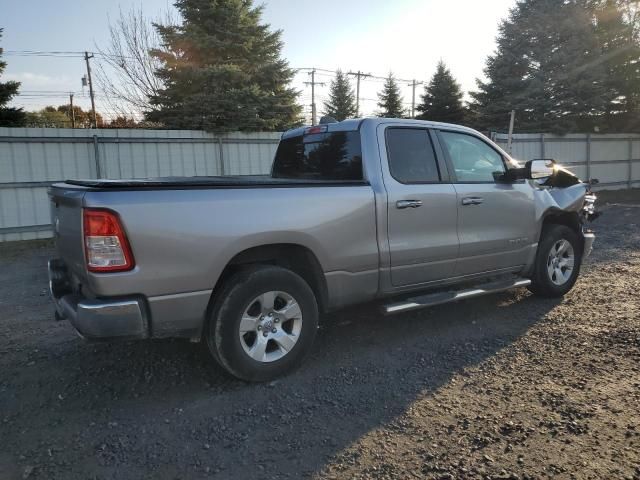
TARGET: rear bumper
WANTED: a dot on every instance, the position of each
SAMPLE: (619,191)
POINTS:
(97,318)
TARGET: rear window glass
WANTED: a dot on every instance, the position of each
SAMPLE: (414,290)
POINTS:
(320,156)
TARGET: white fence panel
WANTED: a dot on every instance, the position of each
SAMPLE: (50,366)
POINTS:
(33,158)
(613,159)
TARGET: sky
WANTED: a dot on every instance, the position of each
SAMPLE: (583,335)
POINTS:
(406,37)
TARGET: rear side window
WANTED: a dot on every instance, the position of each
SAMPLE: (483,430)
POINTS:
(320,156)
(411,155)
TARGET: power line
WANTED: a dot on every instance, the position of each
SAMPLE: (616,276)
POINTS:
(313,72)
(413,85)
(36,53)
(74,54)
(358,75)
(77,53)
(313,94)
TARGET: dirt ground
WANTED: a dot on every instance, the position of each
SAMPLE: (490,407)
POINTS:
(505,386)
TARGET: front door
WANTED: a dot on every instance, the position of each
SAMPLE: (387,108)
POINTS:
(496,220)
(421,208)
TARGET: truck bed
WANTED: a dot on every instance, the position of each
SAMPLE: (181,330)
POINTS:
(239,181)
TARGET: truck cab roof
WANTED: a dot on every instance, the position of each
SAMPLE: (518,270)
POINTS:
(353,124)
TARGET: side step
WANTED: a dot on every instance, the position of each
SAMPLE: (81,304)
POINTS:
(438,298)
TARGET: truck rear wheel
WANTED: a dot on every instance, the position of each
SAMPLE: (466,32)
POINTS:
(262,323)
(557,262)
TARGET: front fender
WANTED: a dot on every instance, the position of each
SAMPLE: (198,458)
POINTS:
(555,200)
(565,205)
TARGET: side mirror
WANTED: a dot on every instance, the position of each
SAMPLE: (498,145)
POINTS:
(540,168)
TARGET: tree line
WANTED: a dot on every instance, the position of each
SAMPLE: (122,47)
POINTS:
(562,65)
(440,102)
(66,116)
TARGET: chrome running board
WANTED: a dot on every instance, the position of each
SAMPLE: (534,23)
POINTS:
(438,298)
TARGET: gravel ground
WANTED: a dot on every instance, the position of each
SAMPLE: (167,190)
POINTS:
(505,386)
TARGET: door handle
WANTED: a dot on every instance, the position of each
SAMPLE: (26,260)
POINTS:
(472,200)
(408,204)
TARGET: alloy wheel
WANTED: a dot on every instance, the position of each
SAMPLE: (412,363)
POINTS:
(270,326)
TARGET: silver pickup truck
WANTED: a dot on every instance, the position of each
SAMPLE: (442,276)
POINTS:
(404,212)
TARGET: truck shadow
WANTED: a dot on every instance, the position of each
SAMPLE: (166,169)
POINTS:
(179,409)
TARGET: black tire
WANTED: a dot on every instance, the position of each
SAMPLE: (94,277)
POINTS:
(542,283)
(222,331)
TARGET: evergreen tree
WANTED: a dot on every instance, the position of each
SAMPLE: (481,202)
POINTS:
(442,99)
(390,100)
(9,116)
(617,29)
(222,70)
(547,67)
(341,103)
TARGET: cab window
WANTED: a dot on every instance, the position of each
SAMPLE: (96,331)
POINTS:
(411,156)
(473,160)
(331,156)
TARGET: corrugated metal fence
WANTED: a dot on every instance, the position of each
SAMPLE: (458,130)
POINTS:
(614,159)
(31,159)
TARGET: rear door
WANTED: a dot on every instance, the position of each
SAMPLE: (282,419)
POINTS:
(496,220)
(421,207)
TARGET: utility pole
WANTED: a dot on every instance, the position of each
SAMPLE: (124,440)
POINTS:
(510,137)
(73,113)
(413,85)
(358,75)
(313,84)
(93,103)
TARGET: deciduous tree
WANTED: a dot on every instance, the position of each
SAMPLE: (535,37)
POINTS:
(48,117)
(82,118)
(126,70)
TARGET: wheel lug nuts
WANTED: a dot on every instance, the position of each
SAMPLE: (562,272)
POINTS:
(265,334)
(277,320)
(273,331)
(259,327)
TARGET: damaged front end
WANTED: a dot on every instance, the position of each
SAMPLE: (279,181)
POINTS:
(560,184)
(562,193)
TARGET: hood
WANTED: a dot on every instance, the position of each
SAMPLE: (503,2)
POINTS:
(564,191)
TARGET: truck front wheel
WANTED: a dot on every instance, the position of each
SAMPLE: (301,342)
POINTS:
(262,323)
(557,262)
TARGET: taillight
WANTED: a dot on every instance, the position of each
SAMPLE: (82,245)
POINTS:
(106,245)
(315,129)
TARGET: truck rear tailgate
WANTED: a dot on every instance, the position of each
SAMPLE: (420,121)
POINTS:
(66,219)
(92,316)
